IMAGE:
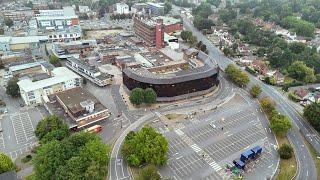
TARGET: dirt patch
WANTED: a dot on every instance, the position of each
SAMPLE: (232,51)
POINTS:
(99,34)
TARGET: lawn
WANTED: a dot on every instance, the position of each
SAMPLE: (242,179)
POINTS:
(287,167)
(173,116)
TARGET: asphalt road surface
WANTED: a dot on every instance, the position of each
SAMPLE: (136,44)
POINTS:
(307,169)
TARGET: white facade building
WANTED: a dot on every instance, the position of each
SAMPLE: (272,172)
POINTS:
(61,79)
(121,8)
(84,9)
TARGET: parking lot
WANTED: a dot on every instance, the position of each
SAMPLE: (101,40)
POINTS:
(203,147)
(22,127)
(18,130)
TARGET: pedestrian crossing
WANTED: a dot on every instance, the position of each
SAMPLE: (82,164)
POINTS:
(215,166)
(196,148)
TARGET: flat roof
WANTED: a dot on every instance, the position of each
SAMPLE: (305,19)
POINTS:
(210,68)
(60,74)
(25,66)
(22,40)
(159,5)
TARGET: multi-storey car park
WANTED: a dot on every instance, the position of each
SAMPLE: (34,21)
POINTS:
(173,77)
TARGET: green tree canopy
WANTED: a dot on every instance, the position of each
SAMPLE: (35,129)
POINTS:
(298,70)
(167,7)
(54,60)
(145,146)
(149,173)
(255,91)
(8,22)
(186,35)
(51,127)
(79,156)
(280,124)
(204,10)
(150,96)
(6,163)
(312,114)
(239,77)
(137,96)
(13,88)
(267,105)
(285,151)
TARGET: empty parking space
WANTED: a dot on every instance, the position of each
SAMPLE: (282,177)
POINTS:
(185,166)
(22,127)
(234,143)
(176,145)
(207,131)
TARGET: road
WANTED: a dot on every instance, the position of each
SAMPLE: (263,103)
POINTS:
(307,169)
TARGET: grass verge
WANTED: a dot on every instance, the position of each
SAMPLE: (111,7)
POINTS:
(287,167)
(31,176)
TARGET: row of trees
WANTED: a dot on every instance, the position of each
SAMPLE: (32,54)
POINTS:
(187,36)
(239,77)
(312,114)
(301,27)
(278,52)
(68,156)
(279,123)
(201,14)
(139,96)
(282,13)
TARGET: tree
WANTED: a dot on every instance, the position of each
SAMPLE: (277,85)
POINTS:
(1,31)
(150,96)
(84,81)
(239,77)
(167,7)
(6,163)
(255,91)
(203,10)
(29,4)
(54,60)
(52,127)
(227,52)
(12,88)
(267,105)
(193,40)
(8,22)
(298,70)
(285,151)
(79,156)
(261,51)
(145,146)
(149,173)
(311,113)
(137,96)
(214,2)
(301,27)
(280,124)
(186,35)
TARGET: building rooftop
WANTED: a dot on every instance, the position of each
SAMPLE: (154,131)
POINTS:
(208,68)
(60,74)
(75,99)
(158,5)
(22,40)
(25,66)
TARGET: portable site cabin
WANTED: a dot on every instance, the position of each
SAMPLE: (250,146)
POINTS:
(239,164)
(246,155)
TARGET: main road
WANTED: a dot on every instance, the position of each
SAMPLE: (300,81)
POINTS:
(307,169)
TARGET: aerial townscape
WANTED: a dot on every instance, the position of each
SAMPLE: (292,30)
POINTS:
(160,89)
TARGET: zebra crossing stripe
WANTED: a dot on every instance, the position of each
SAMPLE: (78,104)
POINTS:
(215,166)
(196,148)
(179,132)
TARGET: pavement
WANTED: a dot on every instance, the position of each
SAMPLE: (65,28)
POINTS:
(307,169)
(18,127)
(199,151)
